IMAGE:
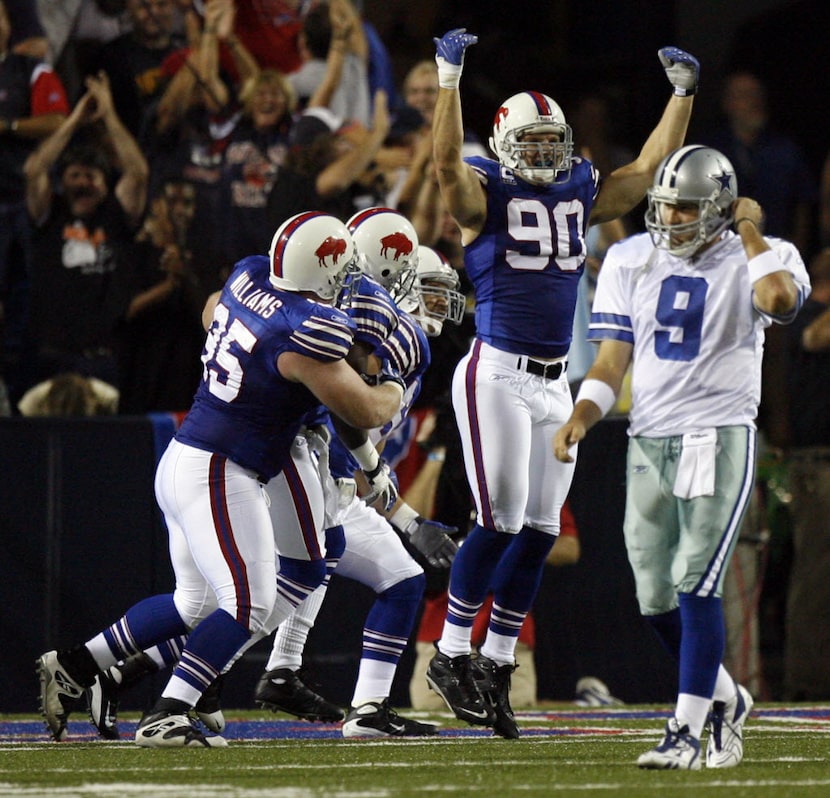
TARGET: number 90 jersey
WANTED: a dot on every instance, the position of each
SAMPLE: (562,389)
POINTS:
(526,263)
(244,408)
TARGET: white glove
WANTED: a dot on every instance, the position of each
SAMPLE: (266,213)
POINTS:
(382,486)
(682,70)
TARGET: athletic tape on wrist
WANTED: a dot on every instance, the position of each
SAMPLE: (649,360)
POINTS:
(366,455)
(764,264)
(403,516)
(449,75)
(598,392)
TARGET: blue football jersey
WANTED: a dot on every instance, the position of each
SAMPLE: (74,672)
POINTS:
(407,351)
(372,310)
(244,408)
(526,263)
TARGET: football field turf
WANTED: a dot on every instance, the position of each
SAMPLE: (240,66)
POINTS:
(564,751)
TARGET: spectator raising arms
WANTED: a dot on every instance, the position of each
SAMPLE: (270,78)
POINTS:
(81,282)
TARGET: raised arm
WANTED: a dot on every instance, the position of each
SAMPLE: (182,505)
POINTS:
(461,191)
(131,189)
(626,186)
(38,165)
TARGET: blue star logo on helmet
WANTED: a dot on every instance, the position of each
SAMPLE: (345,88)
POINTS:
(725,180)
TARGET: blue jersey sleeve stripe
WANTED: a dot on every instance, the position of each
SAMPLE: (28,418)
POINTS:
(615,319)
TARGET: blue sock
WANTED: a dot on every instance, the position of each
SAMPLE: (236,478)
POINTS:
(702,644)
(519,573)
(391,618)
(152,621)
(471,572)
(210,647)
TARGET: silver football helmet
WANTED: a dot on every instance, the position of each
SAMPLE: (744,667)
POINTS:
(434,298)
(387,248)
(522,115)
(693,175)
(311,251)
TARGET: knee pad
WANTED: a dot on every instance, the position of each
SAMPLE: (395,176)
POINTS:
(306,573)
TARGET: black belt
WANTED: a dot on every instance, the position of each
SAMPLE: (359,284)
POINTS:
(550,371)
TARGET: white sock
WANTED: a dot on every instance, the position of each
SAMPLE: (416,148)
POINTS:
(692,710)
(500,648)
(374,681)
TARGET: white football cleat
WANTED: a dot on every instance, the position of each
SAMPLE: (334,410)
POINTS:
(678,751)
(170,730)
(725,747)
(59,693)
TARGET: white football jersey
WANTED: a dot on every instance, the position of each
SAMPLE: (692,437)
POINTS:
(698,340)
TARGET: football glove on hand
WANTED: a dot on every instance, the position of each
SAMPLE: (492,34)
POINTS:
(386,374)
(382,486)
(432,540)
(449,55)
(682,70)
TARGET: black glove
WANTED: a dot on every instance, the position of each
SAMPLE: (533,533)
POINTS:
(432,540)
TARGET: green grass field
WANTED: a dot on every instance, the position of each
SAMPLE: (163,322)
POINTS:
(564,751)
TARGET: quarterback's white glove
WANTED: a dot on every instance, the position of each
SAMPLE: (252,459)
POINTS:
(682,70)
(449,55)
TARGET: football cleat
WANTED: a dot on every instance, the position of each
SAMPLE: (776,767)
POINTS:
(59,693)
(282,690)
(172,730)
(725,747)
(208,708)
(493,682)
(380,720)
(678,751)
(592,692)
(452,678)
(102,703)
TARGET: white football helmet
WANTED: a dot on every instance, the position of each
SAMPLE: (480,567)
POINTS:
(531,112)
(312,251)
(387,248)
(692,175)
(434,298)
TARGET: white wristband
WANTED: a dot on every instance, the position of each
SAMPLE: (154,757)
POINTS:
(449,75)
(403,517)
(764,264)
(598,392)
(366,455)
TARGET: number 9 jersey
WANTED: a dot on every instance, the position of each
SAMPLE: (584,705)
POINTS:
(695,331)
(244,408)
(526,263)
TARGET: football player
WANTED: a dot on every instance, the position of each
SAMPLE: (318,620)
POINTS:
(523,219)
(374,554)
(275,350)
(687,303)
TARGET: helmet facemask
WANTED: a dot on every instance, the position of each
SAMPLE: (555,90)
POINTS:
(693,177)
(541,162)
(684,238)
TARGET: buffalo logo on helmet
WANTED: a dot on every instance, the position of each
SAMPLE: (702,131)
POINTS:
(501,115)
(398,242)
(332,247)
